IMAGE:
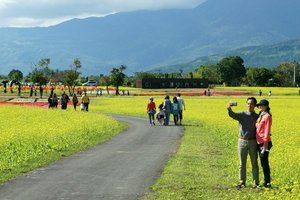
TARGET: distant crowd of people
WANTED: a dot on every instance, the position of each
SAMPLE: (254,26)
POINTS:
(165,109)
(269,93)
(64,99)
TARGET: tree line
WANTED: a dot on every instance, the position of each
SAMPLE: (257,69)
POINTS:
(231,71)
(228,71)
(42,74)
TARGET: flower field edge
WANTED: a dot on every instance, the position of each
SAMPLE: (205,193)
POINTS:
(33,137)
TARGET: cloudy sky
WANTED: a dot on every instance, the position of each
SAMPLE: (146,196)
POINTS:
(29,13)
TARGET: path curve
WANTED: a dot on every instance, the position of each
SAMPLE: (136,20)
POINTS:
(122,168)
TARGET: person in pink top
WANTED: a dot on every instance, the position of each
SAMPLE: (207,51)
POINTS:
(263,138)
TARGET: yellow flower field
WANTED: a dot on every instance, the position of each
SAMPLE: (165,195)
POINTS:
(206,163)
(31,137)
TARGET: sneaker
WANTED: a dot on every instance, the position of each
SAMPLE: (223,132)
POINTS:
(267,185)
(255,186)
(240,185)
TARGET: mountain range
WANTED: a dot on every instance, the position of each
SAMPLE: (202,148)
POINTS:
(253,56)
(263,32)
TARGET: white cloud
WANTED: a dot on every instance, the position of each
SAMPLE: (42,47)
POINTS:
(5,3)
(23,13)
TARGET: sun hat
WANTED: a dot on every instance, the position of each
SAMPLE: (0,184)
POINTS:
(263,102)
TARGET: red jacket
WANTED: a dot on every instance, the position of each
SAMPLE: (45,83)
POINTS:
(151,106)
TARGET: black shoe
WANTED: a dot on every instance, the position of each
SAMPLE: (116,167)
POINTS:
(240,185)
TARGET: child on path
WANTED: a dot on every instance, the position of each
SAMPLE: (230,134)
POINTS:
(160,115)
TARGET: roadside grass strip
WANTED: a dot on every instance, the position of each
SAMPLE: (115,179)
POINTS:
(33,137)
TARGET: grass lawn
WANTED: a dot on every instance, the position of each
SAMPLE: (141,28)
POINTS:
(206,164)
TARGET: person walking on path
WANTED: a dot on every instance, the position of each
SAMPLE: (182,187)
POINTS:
(263,138)
(86,101)
(74,100)
(247,141)
(151,110)
(181,107)
(167,109)
(175,110)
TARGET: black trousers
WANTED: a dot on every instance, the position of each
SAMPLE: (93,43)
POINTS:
(264,161)
(86,106)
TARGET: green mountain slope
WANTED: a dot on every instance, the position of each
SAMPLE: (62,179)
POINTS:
(253,56)
(144,40)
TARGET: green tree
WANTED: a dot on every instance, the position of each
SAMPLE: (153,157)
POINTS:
(284,74)
(105,80)
(44,62)
(231,70)
(141,75)
(15,75)
(130,81)
(70,76)
(259,76)
(209,72)
(2,77)
(41,73)
(118,77)
(37,76)
(297,73)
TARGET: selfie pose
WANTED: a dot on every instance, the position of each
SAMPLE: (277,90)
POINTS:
(247,141)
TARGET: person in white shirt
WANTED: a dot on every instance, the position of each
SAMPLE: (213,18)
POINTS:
(181,107)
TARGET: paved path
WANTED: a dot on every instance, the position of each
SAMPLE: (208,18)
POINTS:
(121,168)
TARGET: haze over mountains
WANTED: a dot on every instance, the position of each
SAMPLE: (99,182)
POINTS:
(145,40)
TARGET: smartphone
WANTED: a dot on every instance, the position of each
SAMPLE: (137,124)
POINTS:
(233,103)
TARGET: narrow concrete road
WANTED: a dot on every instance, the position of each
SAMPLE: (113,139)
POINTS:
(122,168)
